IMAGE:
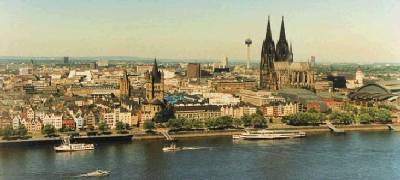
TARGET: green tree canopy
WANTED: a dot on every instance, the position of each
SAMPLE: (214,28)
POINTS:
(237,123)
(148,125)
(49,130)
(164,114)
(365,118)
(258,121)
(246,120)
(8,131)
(120,126)
(103,126)
(341,117)
(22,131)
(175,124)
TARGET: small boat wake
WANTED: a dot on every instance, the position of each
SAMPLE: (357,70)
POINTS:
(97,173)
(174,148)
(195,148)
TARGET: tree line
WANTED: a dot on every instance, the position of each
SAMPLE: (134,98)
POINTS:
(218,123)
(349,115)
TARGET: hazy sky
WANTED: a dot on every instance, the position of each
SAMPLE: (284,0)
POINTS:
(332,30)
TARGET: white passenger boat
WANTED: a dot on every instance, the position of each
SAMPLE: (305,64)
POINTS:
(97,173)
(67,146)
(269,134)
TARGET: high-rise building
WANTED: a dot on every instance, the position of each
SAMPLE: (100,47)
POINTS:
(224,62)
(155,84)
(66,60)
(359,77)
(193,70)
(312,61)
(277,69)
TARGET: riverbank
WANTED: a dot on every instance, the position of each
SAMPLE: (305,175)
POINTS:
(307,129)
(79,139)
(194,134)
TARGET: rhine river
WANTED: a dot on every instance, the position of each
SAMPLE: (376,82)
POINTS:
(356,155)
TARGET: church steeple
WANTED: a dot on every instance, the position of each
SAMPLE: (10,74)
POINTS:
(155,73)
(267,74)
(282,47)
(269,33)
(155,67)
(282,35)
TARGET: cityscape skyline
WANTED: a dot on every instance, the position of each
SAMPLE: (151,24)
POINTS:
(333,32)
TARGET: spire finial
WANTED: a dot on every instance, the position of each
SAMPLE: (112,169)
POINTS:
(282,35)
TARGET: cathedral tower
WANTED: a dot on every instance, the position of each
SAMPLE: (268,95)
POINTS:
(282,47)
(267,73)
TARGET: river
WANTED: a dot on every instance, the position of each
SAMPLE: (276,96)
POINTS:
(356,155)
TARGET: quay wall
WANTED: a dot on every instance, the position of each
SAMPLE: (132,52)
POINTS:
(57,140)
(307,129)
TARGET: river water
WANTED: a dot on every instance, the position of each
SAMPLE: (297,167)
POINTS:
(356,155)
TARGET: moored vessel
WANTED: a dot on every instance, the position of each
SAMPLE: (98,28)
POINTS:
(67,146)
(269,134)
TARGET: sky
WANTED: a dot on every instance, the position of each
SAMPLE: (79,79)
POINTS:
(361,31)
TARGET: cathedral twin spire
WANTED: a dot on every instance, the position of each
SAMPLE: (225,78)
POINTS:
(282,50)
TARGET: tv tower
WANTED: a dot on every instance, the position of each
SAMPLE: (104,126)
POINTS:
(248,42)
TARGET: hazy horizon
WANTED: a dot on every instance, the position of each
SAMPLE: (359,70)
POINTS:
(333,31)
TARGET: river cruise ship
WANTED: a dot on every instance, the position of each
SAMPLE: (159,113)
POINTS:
(67,146)
(269,134)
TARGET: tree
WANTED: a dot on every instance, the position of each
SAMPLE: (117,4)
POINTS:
(197,124)
(103,126)
(7,132)
(211,123)
(148,125)
(383,116)
(237,123)
(187,124)
(365,118)
(175,124)
(258,121)
(341,117)
(246,120)
(219,122)
(22,131)
(120,127)
(305,118)
(48,130)
(164,115)
(224,122)
(312,110)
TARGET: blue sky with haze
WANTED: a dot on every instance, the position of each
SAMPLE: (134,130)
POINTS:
(333,31)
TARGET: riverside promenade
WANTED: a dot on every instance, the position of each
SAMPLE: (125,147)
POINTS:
(57,140)
(307,129)
(194,134)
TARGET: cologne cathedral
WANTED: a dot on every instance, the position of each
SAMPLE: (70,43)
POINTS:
(277,69)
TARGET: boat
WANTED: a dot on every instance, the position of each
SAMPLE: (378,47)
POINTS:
(97,173)
(67,146)
(171,148)
(269,134)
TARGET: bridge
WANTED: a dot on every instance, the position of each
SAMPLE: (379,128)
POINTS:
(333,128)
